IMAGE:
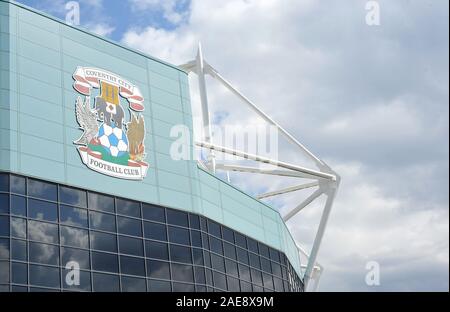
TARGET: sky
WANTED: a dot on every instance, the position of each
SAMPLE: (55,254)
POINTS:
(372,101)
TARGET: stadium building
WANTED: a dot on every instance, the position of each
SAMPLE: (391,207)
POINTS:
(90,197)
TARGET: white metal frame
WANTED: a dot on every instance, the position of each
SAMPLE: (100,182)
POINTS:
(325,180)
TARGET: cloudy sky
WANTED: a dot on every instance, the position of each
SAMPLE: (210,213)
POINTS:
(372,101)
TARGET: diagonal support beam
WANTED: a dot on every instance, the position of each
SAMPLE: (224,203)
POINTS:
(305,203)
(288,190)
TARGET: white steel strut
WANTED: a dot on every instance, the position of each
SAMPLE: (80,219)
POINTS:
(325,180)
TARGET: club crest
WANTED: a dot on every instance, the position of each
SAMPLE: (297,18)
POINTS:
(111,143)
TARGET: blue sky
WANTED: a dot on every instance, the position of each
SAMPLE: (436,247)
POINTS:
(372,101)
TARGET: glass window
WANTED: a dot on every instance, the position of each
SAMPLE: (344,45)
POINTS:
(156,250)
(103,241)
(183,287)
(274,255)
(203,224)
(242,255)
(257,288)
(194,222)
(102,221)
(18,250)
(42,232)
(132,266)
(276,269)
(233,284)
(182,272)
(246,287)
(73,197)
(265,265)
(256,277)
(19,288)
(18,227)
(268,281)
(78,255)
(74,237)
(254,261)
(228,235)
(105,282)
(73,216)
(4,182)
(216,245)
(4,203)
(43,253)
(4,226)
(205,241)
(252,245)
(17,184)
(197,256)
(133,284)
(85,280)
(196,238)
(209,278)
(153,213)
(4,248)
(244,272)
(129,226)
(158,269)
(240,240)
(155,231)
(231,267)
(100,202)
(128,208)
(199,275)
(207,258)
(177,217)
(264,250)
(180,254)
(42,210)
(219,280)
(214,229)
(4,272)
(18,205)
(278,284)
(218,263)
(44,276)
(131,246)
(105,262)
(44,190)
(178,235)
(158,286)
(229,251)
(19,273)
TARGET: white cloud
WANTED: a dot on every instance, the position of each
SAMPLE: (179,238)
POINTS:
(168,8)
(372,101)
(100,29)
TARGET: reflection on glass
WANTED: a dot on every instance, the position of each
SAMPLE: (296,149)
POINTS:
(85,281)
(4,203)
(158,286)
(244,272)
(17,184)
(256,277)
(240,240)
(19,273)
(128,208)
(153,213)
(44,276)
(18,228)
(197,255)
(268,281)
(73,197)
(233,284)
(102,221)
(229,251)
(73,216)
(158,269)
(180,254)
(131,246)
(156,250)
(43,253)
(155,231)
(252,245)
(218,263)
(103,241)
(132,266)
(216,245)
(177,217)
(194,222)
(228,235)
(129,226)
(101,202)
(4,182)
(182,272)
(199,275)
(178,235)
(42,232)
(264,250)
(40,189)
(133,284)
(196,238)
(105,262)
(18,250)
(4,272)
(78,255)
(242,255)
(4,248)
(105,282)
(18,206)
(246,287)
(219,280)
(74,237)
(182,287)
(274,255)
(42,210)
(231,267)
(254,261)
(214,229)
